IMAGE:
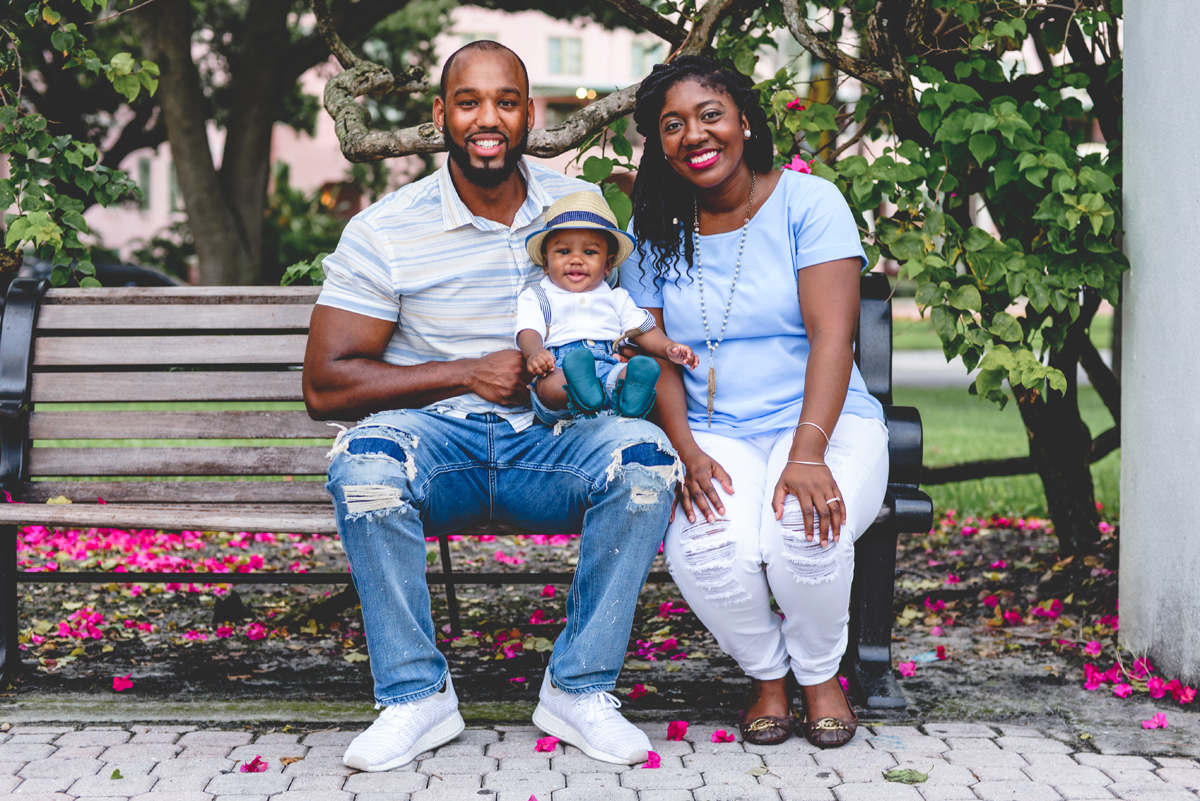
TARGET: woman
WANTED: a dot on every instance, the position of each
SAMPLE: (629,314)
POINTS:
(785,451)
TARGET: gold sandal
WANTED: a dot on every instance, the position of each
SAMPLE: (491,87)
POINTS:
(830,732)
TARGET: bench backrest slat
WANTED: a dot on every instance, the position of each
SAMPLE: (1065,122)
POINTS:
(198,386)
(182,295)
(179,461)
(216,492)
(165,318)
(168,350)
(177,425)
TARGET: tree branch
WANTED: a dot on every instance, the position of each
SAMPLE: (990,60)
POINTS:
(828,52)
(1104,444)
(1107,385)
(364,78)
(337,47)
(646,18)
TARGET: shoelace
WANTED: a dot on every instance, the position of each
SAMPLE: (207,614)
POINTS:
(599,705)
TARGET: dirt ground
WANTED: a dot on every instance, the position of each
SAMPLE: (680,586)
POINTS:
(987,597)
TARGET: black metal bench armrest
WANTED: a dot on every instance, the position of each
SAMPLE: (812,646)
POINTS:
(16,357)
(905,444)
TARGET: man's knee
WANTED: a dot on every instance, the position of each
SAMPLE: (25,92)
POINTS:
(647,465)
(373,471)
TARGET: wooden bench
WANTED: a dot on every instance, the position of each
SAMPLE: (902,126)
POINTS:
(243,347)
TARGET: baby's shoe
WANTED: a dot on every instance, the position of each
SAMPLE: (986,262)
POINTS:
(584,390)
(634,395)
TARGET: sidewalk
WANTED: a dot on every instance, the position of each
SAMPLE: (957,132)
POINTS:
(962,760)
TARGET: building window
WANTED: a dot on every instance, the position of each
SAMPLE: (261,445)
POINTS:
(144,183)
(645,56)
(566,55)
(173,195)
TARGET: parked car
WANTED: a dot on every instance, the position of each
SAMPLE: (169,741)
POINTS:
(109,274)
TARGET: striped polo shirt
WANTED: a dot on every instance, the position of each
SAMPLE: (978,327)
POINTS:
(448,279)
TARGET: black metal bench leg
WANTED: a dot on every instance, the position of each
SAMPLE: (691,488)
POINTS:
(870,647)
(11,657)
(451,597)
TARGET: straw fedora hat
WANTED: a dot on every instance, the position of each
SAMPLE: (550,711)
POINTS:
(580,210)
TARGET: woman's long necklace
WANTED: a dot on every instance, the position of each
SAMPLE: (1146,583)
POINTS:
(712,347)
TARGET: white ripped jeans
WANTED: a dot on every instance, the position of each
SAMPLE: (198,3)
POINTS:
(728,570)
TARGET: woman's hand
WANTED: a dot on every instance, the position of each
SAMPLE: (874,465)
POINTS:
(813,486)
(696,491)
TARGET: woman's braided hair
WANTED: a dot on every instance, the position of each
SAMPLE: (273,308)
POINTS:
(662,200)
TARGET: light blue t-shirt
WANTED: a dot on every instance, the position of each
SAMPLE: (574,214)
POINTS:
(760,363)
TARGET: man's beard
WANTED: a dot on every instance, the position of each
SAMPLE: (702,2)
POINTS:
(487,177)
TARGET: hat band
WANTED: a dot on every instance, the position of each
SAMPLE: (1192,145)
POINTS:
(581,216)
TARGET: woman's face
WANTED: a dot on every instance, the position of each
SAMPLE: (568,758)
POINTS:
(702,133)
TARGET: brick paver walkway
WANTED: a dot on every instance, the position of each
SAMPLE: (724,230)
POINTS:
(964,761)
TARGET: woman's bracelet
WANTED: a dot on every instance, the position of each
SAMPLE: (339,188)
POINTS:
(814,425)
(817,464)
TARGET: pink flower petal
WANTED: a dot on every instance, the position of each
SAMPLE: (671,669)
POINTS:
(722,736)
(1093,648)
(548,591)
(907,669)
(653,760)
(546,744)
(1122,690)
(676,729)
(121,683)
(637,692)
(256,765)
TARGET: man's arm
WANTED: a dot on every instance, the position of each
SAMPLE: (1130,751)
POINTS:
(345,377)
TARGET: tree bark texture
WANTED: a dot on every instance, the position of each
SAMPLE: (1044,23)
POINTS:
(165,31)
(1060,446)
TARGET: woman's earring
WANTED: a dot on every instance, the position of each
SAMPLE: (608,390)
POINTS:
(746,134)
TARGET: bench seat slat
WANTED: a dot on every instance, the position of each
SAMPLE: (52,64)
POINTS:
(177,425)
(283,385)
(200,295)
(168,350)
(185,461)
(189,317)
(163,492)
(295,519)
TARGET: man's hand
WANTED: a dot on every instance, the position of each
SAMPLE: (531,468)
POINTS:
(501,377)
(682,354)
(541,363)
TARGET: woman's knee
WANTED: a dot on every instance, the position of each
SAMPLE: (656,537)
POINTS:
(711,558)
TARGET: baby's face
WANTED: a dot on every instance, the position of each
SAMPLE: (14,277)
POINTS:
(577,259)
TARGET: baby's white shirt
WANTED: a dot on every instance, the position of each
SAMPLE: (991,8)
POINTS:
(560,316)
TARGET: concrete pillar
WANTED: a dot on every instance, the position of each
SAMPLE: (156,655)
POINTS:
(1160,388)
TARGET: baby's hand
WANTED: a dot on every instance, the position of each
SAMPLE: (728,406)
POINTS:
(682,354)
(541,363)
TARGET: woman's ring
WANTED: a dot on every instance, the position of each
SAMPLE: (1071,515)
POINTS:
(832,500)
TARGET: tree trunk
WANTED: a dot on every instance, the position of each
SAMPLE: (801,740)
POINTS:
(165,31)
(1060,446)
(258,86)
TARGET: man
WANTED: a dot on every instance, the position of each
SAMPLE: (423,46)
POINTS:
(414,327)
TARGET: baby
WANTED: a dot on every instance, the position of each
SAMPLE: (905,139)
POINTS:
(569,323)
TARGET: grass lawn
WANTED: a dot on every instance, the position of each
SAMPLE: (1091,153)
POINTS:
(958,428)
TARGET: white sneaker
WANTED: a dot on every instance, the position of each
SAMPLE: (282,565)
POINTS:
(591,723)
(405,730)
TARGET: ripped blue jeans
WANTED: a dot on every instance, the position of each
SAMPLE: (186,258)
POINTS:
(401,476)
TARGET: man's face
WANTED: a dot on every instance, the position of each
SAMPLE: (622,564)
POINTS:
(486,115)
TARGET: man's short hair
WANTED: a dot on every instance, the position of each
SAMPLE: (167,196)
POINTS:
(480,44)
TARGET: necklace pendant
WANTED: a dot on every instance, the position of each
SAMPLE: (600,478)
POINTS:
(712,391)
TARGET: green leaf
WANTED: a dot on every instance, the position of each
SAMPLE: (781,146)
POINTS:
(906,775)
(127,85)
(1006,327)
(50,15)
(935,222)
(116,774)
(982,147)
(622,147)
(89,283)
(619,203)
(978,239)
(944,323)
(965,297)
(355,656)
(758,770)
(597,168)
(744,59)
